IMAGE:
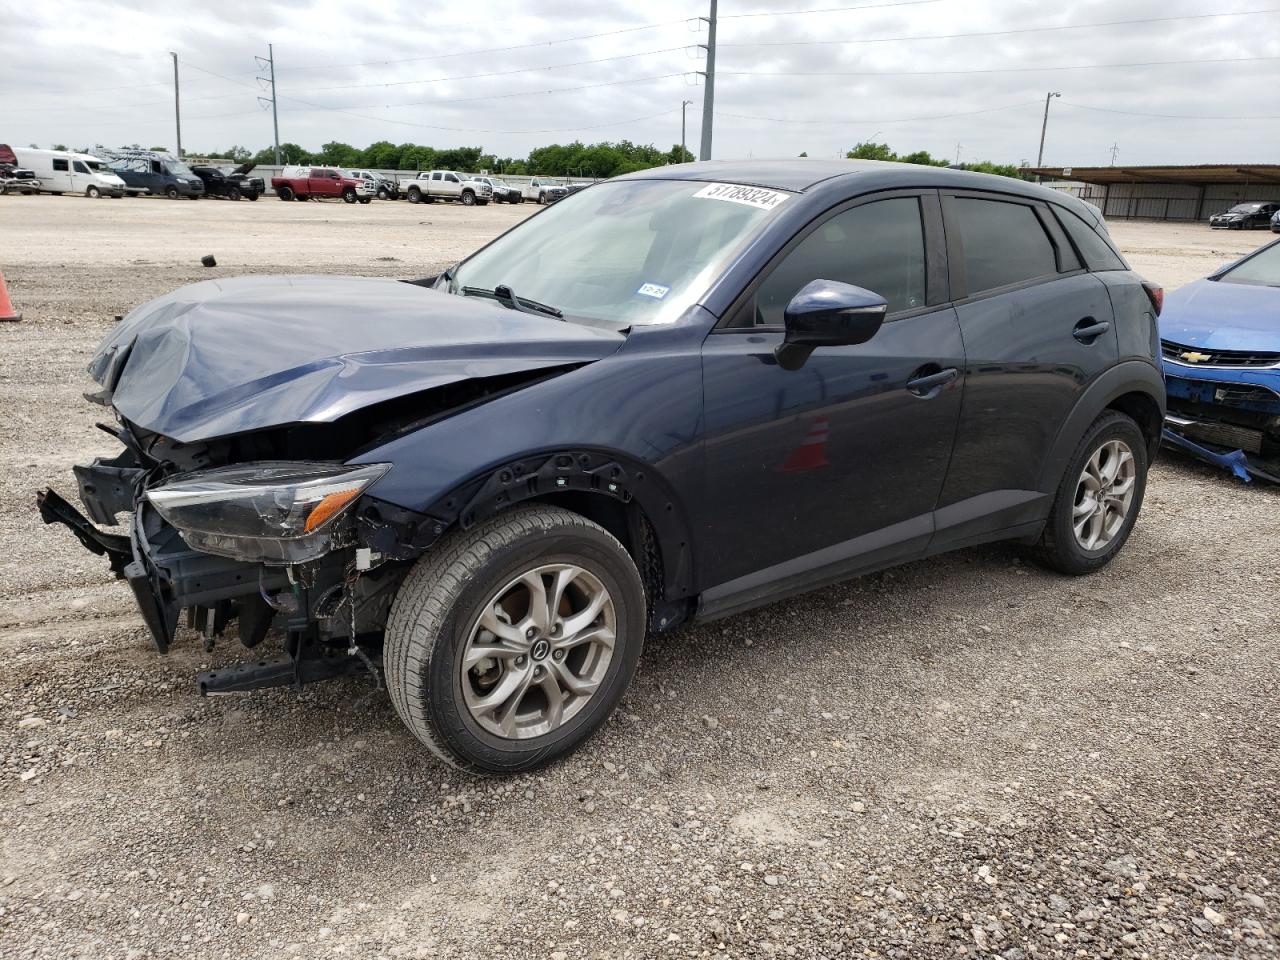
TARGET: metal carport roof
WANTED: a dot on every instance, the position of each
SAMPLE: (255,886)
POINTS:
(1196,174)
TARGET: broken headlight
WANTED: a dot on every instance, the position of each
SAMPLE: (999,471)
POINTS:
(275,513)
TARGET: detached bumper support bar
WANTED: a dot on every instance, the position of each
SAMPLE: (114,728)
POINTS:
(116,548)
(282,672)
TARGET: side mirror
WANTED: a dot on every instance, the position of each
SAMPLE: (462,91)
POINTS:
(827,313)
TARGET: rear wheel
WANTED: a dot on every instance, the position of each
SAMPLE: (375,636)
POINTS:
(1099,498)
(510,643)
(284,193)
(415,195)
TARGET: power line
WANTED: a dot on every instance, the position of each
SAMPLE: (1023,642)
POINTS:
(947,73)
(998,33)
(1170,116)
(518,46)
(839,121)
(504,73)
(797,13)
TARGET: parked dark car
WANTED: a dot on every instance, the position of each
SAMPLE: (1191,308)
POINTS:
(670,398)
(1221,342)
(231,185)
(145,172)
(1245,216)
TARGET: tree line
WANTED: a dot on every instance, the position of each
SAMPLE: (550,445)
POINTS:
(577,159)
(882,151)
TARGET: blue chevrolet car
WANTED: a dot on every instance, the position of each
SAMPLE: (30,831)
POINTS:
(1220,337)
(668,398)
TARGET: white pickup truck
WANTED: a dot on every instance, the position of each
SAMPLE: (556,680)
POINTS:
(432,185)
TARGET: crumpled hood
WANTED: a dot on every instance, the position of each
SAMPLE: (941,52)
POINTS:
(1223,316)
(228,356)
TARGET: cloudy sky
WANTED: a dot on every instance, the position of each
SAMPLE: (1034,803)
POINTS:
(793,75)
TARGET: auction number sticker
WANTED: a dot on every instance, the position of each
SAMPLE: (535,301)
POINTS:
(757,197)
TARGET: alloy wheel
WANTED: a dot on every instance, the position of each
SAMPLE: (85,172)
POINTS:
(1104,494)
(539,651)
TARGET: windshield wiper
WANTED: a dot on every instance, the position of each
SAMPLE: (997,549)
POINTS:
(504,295)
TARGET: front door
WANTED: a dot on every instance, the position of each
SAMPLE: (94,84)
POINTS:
(819,472)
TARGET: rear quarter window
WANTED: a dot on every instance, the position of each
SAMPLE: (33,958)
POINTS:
(1094,250)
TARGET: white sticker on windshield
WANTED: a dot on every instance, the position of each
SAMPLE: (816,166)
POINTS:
(757,197)
(655,290)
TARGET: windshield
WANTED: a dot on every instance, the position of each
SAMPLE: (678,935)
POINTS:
(629,251)
(179,169)
(1262,269)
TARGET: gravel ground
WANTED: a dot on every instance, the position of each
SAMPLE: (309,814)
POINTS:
(966,755)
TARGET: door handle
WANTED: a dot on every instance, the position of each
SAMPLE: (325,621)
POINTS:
(927,386)
(1089,329)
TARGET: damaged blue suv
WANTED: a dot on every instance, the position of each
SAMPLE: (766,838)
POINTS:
(668,398)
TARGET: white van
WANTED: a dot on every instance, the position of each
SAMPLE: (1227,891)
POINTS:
(61,171)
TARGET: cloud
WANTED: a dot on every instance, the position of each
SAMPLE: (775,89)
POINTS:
(81,72)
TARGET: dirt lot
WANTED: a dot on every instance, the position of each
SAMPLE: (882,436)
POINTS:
(966,755)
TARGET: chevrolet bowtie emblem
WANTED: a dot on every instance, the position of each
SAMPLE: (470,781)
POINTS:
(1192,356)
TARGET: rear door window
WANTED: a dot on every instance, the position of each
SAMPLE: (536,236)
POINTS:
(61,165)
(1004,243)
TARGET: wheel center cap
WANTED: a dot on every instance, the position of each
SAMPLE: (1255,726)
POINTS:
(540,650)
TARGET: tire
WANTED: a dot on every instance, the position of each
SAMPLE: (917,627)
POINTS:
(349,196)
(93,193)
(468,198)
(437,610)
(383,194)
(233,193)
(542,199)
(365,199)
(252,197)
(1060,547)
(285,193)
(415,195)
(171,193)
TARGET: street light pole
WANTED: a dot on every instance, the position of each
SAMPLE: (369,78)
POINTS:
(684,104)
(1044,127)
(177,109)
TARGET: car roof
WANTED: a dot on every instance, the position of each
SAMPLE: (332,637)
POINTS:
(803,174)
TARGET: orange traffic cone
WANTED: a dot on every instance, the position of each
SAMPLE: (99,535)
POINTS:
(812,452)
(7,313)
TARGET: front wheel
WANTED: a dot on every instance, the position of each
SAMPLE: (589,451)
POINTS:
(468,198)
(233,193)
(171,193)
(382,194)
(348,196)
(1099,498)
(93,193)
(365,199)
(509,644)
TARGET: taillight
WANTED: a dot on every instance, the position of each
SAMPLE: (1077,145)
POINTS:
(1155,293)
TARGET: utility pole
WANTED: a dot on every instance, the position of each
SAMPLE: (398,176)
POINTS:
(1044,127)
(177,111)
(709,92)
(270,63)
(684,104)
(957,154)
(1115,149)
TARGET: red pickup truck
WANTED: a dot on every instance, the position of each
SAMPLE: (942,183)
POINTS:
(303,183)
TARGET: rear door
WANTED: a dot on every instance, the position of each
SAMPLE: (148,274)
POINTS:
(1038,330)
(816,473)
